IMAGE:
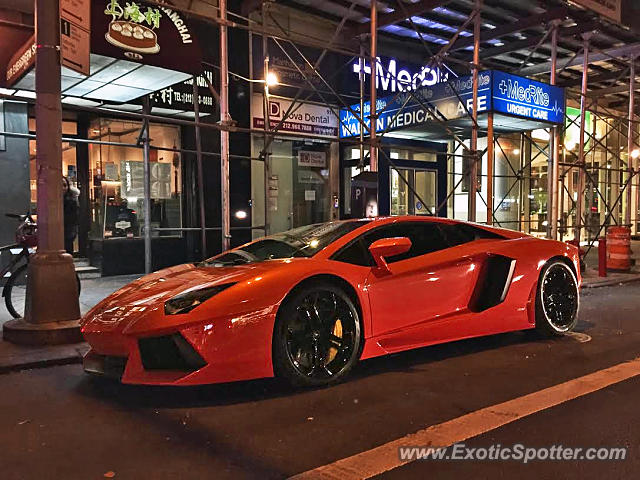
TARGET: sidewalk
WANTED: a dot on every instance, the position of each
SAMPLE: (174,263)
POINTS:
(17,357)
(590,278)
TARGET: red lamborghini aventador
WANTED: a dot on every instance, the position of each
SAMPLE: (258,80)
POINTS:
(308,303)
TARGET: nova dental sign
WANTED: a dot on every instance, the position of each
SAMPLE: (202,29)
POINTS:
(391,79)
(497,91)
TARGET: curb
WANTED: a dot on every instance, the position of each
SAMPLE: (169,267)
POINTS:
(612,282)
(49,362)
(41,359)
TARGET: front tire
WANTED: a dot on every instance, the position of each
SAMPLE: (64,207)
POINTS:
(557,299)
(317,336)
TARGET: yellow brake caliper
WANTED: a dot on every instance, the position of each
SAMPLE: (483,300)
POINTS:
(333,351)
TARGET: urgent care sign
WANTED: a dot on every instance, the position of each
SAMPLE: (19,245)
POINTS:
(304,118)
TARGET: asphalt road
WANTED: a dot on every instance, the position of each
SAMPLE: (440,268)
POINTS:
(58,423)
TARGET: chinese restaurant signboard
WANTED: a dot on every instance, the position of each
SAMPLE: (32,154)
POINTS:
(180,95)
(145,33)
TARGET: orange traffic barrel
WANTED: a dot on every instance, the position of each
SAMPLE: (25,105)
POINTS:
(619,249)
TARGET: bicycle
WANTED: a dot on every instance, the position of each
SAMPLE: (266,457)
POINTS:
(15,288)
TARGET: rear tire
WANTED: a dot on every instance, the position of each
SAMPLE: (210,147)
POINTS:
(317,336)
(557,299)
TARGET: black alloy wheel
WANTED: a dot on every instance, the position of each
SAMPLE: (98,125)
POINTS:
(317,336)
(558,299)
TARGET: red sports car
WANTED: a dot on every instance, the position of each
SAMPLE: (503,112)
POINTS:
(308,303)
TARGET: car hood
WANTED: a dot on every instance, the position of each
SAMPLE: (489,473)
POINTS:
(160,286)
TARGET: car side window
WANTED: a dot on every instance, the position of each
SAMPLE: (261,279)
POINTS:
(456,235)
(460,233)
(425,238)
(355,254)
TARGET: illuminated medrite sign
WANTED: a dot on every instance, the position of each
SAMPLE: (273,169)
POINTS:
(497,91)
(522,97)
(389,78)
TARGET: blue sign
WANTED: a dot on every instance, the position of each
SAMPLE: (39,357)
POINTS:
(447,100)
(522,97)
(497,91)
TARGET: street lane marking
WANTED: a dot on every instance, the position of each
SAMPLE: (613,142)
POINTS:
(385,457)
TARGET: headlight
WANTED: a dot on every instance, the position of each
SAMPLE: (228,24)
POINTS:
(185,302)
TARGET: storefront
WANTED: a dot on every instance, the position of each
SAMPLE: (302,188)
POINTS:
(422,170)
(302,173)
(103,154)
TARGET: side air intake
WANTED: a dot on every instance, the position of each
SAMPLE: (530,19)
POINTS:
(493,283)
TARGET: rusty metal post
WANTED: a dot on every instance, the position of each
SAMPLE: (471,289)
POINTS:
(266,115)
(202,211)
(146,165)
(52,308)
(225,213)
(553,165)
(490,161)
(373,110)
(630,142)
(361,64)
(473,171)
(581,155)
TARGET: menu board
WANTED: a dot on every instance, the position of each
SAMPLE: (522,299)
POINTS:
(132,179)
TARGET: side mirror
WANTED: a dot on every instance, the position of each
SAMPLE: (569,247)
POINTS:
(388,247)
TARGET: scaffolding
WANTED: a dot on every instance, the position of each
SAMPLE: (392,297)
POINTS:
(599,170)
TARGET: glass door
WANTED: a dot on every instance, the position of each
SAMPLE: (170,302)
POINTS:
(413,191)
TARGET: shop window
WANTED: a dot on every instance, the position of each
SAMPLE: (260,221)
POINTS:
(117,180)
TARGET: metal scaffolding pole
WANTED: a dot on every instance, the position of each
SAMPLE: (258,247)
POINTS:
(362,93)
(203,218)
(147,189)
(267,118)
(224,134)
(490,161)
(373,148)
(630,159)
(581,155)
(473,171)
(554,152)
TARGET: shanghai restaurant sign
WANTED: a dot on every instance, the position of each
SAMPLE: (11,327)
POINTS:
(497,91)
(143,32)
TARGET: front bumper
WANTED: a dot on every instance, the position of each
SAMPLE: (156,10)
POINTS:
(225,350)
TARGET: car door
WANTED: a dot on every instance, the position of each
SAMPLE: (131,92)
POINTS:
(429,282)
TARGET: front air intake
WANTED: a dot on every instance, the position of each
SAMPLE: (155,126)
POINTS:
(169,352)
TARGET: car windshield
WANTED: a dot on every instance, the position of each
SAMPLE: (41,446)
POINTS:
(300,242)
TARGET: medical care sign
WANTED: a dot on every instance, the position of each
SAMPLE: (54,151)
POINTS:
(522,97)
(497,91)
(446,100)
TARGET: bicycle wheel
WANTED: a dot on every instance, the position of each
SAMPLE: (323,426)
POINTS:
(15,292)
